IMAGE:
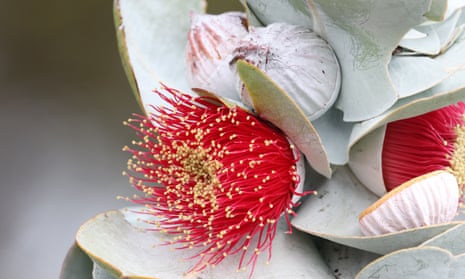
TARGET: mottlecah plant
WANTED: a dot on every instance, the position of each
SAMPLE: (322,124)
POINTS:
(244,113)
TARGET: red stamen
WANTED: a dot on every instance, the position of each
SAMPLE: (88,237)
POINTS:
(422,144)
(217,178)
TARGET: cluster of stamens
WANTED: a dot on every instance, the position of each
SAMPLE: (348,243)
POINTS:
(217,178)
(426,143)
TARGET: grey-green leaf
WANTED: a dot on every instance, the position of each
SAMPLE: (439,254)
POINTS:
(438,36)
(99,272)
(364,48)
(268,11)
(119,242)
(416,263)
(428,43)
(152,37)
(412,75)
(334,134)
(454,58)
(438,8)
(335,210)
(452,240)
(77,265)
(346,262)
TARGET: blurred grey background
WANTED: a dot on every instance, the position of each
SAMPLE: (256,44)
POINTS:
(63,96)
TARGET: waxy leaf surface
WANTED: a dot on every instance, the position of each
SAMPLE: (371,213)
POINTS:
(293,12)
(118,242)
(152,36)
(346,262)
(77,265)
(452,240)
(419,262)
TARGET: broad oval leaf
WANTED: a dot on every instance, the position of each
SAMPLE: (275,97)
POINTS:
(119,242)
(438,36)
(428,44)
(99,272)
(454,58)
(76,265)
(366,161)
(364,48)
(152,35)
(419,262)
(334,134)
(412,75)
(346,262)
(452,240)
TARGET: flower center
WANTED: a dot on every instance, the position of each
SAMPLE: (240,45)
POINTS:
(457,162)
(201,169)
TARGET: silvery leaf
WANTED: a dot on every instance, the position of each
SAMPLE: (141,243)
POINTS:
(345,262)
(76,265)
(152,35)
(453,240)
(419,262)
(120,244)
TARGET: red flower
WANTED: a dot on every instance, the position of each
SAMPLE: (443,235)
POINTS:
(218,178)
(422,144)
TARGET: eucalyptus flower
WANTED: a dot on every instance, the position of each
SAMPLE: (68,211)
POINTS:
(425,143)
(217,178)
(422,155)
(408,148)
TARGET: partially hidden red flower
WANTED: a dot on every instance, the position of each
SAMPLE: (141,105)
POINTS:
(425,143)
(217,178)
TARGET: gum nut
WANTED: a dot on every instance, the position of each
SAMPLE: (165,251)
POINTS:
(425,200)
(211,41)
(298,60)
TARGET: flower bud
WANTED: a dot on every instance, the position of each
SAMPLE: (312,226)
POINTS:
(426,200)
(407,148)
(211,40)
(298,60)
